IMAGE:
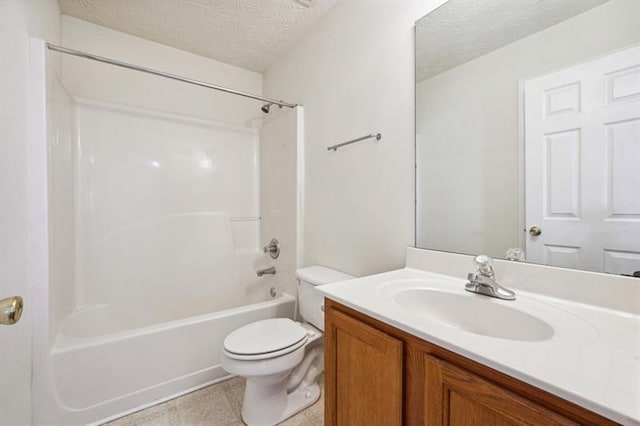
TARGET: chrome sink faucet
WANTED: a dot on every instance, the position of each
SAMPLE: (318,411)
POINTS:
(484,282)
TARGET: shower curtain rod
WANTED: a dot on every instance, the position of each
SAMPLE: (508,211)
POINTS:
(164,74)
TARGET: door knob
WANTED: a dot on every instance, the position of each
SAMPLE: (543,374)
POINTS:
(10,310)
(534,231)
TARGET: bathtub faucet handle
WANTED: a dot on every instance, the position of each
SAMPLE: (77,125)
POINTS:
(273,248)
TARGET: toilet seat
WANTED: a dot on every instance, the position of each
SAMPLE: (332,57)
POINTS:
(265,339)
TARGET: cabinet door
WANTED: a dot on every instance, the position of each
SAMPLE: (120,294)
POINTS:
(363,374)
(458,397)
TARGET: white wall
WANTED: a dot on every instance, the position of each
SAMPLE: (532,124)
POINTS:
(354,74)
(18,20)
(94,80)
(467,126)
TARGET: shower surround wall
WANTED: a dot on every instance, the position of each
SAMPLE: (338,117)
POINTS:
(60,180)
(154,227)
(281,193)
(167,206)
(166,178)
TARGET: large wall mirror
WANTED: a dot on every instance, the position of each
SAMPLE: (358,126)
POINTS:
(528,131)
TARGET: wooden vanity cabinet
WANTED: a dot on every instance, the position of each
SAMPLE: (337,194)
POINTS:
(376,374)
(365,393)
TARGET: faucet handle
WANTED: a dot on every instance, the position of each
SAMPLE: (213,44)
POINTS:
(273,248)
(484,265)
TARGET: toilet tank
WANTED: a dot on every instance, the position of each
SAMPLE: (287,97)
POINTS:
(310,300)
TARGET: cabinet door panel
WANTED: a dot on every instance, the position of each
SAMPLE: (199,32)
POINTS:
(465,411)
(363,374)
(458,397)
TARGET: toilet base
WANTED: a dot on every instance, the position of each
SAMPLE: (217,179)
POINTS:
(277,407)
(278,388)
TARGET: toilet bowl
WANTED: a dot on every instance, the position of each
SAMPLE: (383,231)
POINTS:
(280,358)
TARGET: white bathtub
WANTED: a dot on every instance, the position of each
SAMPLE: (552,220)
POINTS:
(110,360)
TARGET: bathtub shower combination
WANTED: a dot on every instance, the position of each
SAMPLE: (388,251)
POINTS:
(155,228)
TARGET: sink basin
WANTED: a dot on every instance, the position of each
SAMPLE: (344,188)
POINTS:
(474,314)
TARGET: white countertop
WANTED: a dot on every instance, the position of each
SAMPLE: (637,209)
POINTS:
(593,358)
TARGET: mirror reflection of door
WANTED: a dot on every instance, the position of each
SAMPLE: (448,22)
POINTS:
(582,162)
(474,60)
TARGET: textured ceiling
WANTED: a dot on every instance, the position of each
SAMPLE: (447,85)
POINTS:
(461,30)
(246,33)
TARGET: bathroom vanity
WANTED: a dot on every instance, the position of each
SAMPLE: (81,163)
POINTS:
(378,374)
(392,357)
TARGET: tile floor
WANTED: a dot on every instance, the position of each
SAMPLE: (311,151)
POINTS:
(215,405)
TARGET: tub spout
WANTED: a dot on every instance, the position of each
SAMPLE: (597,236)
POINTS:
(270,271)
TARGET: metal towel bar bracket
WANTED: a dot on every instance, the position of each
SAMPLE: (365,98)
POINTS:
(377,137)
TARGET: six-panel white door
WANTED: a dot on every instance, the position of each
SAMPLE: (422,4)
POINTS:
(582,165)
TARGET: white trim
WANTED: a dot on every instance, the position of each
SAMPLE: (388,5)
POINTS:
(522,207)
(300,185)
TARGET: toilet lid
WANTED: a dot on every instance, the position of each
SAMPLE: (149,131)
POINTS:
(265,337)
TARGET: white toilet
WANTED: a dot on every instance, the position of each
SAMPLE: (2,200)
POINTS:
(280,358)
